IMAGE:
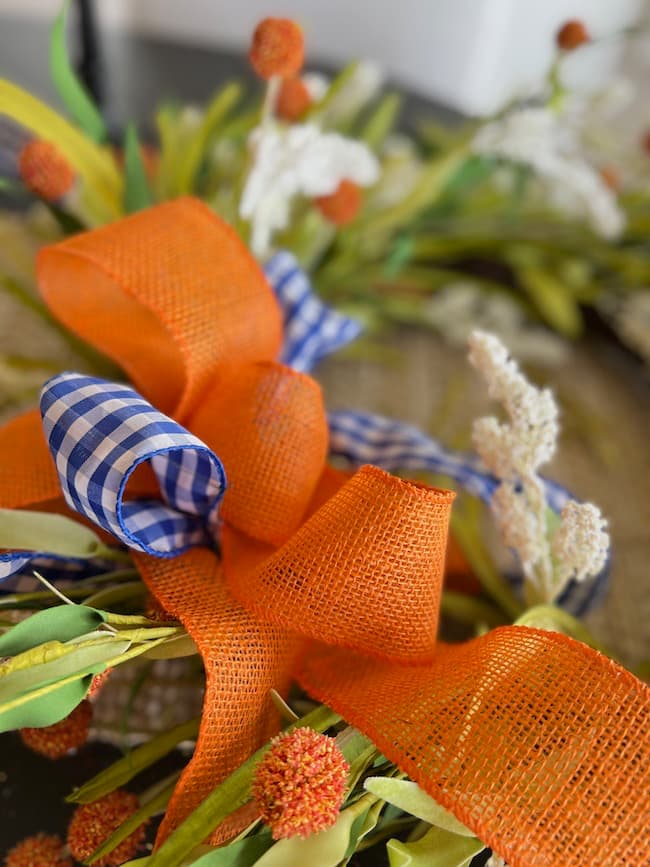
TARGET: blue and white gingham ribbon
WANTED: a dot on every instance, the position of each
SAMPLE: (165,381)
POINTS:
(98,433)
(312,330)
(362,437)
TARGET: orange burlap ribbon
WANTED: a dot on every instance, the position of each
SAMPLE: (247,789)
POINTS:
(537,743)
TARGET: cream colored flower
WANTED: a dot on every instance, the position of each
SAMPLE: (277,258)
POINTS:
(297,160)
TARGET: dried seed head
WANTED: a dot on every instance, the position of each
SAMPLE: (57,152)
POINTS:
(42,850)
(278,48)
(56,740)
(300,783)
(92,824)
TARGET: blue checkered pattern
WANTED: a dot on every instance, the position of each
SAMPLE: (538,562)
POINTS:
(98,433)
(312,330)
(367,438)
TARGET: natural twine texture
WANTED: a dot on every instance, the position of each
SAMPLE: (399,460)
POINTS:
(539,744)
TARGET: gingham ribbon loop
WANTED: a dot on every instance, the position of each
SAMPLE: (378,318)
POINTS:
(98,433)
(312,330)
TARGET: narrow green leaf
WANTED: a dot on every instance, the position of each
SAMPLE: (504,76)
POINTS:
(72,92)
(226,798)
(47,709)
(81,658)
(137,193)
(326,849)
(53,534)
(553,300)
(243,853)
(60,623)
(195,152)
(122,771)
(381,121)
(438,848)
(408,796)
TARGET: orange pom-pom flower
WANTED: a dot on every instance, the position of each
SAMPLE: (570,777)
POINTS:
(92,824)
(56,740)
(278,48)
(293,100)
(572,35)
(299,785)
(341,206)
(44,170)
(42,850)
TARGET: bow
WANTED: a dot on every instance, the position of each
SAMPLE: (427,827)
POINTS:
(527,736)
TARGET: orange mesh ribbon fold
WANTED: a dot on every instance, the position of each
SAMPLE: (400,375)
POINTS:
(537,743)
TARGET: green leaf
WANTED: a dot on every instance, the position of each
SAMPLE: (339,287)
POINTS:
(438,848)
(242,853)
(326,849)
(381,121)
(47,709)
(194,153)
(137,193)
(72,92)
(408,796)
(61,623)
(554,301)
(52,534)
(81,658)
(122,771)
(226,798)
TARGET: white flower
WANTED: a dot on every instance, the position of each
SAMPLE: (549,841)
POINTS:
(580,544)
(297,160)
(519,526)
(529,441)
(535,136)
(495,861)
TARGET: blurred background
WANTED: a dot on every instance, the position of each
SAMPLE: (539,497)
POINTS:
(469,55)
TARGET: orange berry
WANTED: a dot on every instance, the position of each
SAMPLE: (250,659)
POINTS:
(42,850)
(572,35)
(278,48)
(610,177)
(299,785)
(56,740)
(341,206)
(293,99)
(44,170)
(98,683)
(92,824)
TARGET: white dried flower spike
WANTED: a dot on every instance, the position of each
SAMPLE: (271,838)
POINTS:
(580,544)
(518,449)
(514,451)
(536,137)
(297,160)
(495,861)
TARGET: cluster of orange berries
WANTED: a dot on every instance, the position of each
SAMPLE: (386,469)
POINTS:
(90,826)
(278,49)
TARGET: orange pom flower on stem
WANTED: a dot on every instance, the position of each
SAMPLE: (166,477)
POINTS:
(92,824)
(299,785)
(278,48)
(572,35)
(341,206)
(44,170)
(56,740)
(293,99)
(42,850)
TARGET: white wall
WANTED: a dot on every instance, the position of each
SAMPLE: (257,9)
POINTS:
(471,54)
